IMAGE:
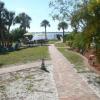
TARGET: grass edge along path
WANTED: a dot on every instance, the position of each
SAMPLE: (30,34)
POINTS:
(60,45)
(74,58)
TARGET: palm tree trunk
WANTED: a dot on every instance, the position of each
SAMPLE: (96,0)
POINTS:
(8,28)
(8,40)
(45,34)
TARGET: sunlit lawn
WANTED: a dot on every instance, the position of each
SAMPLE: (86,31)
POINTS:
(52,41)
(24,55)
(60,44)
(74,59)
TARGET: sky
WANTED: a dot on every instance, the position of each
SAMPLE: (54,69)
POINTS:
(38,10)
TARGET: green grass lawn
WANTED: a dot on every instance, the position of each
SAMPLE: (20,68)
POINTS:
(60,44)
(24,55)
(74,59)
(52,41)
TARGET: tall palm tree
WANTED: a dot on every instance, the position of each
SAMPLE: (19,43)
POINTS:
(24,20)
(3,22)
(63,26)
(44,24)
(10,19)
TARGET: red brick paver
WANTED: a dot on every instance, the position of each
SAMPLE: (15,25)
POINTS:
(69,84)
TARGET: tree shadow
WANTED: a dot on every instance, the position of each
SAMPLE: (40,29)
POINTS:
(4,53)
(1,65)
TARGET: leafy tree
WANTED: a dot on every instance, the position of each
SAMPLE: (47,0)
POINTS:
(10,19)
(6,20)
(44,24)
(17,34)
(63,26)
(88,16)
(2,21)
(84,17)
(62,9)
(24,21)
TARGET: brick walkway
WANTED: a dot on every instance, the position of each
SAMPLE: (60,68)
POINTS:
(69,84)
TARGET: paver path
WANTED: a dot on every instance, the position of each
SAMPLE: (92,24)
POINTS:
(69,84)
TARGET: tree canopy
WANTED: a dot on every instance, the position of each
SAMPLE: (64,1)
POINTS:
(24,20)
(84,18)
(7,19)
(63,26)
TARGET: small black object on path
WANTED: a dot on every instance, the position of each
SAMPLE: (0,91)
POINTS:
(43,67)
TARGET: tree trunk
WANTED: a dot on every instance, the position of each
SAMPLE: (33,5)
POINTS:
(8,39)
(98,52)
(45,33)
(8,29)
(63,35)
(2,39)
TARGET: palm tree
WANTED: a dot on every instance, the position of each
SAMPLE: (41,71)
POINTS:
(44,24)
(3,23)
(10,19)
(24,21)
(63,26)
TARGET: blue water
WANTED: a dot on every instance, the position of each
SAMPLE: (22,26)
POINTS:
(50,35)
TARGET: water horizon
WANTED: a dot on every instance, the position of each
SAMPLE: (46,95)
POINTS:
(51,35)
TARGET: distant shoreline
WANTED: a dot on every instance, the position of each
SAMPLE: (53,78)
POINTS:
(51,35)
(49,32)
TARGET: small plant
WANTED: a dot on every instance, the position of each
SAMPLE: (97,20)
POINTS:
(17,77)
(43,66)
(29,87)
(2,88)
(97,79)
(29,77)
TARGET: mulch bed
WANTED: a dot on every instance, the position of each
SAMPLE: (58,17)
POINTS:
(95,64)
